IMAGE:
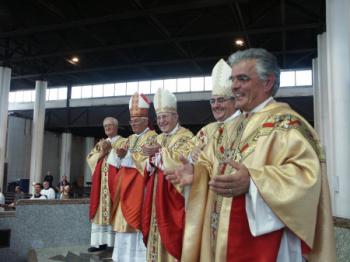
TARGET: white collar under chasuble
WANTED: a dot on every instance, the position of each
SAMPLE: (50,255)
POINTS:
(113,139)
(260,106)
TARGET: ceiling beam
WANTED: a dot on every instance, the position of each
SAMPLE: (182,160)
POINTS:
(115,17)
(166,41)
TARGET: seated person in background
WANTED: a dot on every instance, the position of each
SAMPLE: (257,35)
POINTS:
(64,190)
(19,194)
(64,187)
(48,191)
(2,201)
(63,182)
(37,192)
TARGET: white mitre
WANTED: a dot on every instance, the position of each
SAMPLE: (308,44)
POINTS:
(221,79)
(164,101)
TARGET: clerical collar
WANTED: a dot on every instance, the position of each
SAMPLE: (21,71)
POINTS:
(173,131)
(233,116)
(143,132)
(113,139)
(260,106)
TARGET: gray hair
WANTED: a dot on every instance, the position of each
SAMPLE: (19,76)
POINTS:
(266,64)
(114,120)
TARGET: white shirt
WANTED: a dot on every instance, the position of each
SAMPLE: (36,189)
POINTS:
(49,193)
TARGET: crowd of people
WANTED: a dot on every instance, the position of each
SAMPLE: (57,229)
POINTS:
(250,186)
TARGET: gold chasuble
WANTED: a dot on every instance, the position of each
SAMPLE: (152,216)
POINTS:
(126,210)
(286,163)
(164,204)
(211,131)
(102,183)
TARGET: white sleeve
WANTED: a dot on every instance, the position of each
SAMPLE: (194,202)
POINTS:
(261,218)
(127,161)
(113,159)
(51,194)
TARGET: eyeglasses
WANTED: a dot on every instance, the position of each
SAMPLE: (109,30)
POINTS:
(163,117)
(136,121)
(240,78)
(220,100)
(108,125)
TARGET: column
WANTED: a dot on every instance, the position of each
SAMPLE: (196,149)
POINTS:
(5,78)
(89,145)
(338,54)
(36,156)
(66,151)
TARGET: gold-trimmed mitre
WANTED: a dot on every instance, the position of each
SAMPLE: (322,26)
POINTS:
(221,81)
(164,101)
(139,105)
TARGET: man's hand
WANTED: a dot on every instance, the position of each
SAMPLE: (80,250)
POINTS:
(234,184)
(151,150)
(104,146)
(195,153)
(182,175)
(121,152)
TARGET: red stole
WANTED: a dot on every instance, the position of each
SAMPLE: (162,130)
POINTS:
(129,187)
(95,189)
(242,246)
(170,213)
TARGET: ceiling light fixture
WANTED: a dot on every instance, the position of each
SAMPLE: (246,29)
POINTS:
(74,60)
(239,42)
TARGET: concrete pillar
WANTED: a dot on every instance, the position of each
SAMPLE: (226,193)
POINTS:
(36,156)
(5,78)
(322,104)
(338,54)
(66,151)
(89,145)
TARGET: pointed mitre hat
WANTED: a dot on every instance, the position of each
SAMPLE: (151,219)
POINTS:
(139,105)
(164,101)
(221,79)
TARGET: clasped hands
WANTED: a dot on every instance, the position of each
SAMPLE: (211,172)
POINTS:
(231,185)
(151,150)
(104,147)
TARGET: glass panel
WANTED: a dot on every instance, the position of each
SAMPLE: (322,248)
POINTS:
(62,93)
(155,85)
(33,95)
(97,90)
(19,96)
(131,87)
(12,97)
(27,96)
(145,87)
(208,84)
(303,78)
(86,91)
(170,84)
(76,92)
(108,90)
(183,85)
(120,89)
(197,84)
(287,78)
(53,93)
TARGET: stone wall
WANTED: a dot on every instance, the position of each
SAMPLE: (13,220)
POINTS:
(43,224)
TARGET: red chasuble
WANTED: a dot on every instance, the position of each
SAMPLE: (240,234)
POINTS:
(170,213)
